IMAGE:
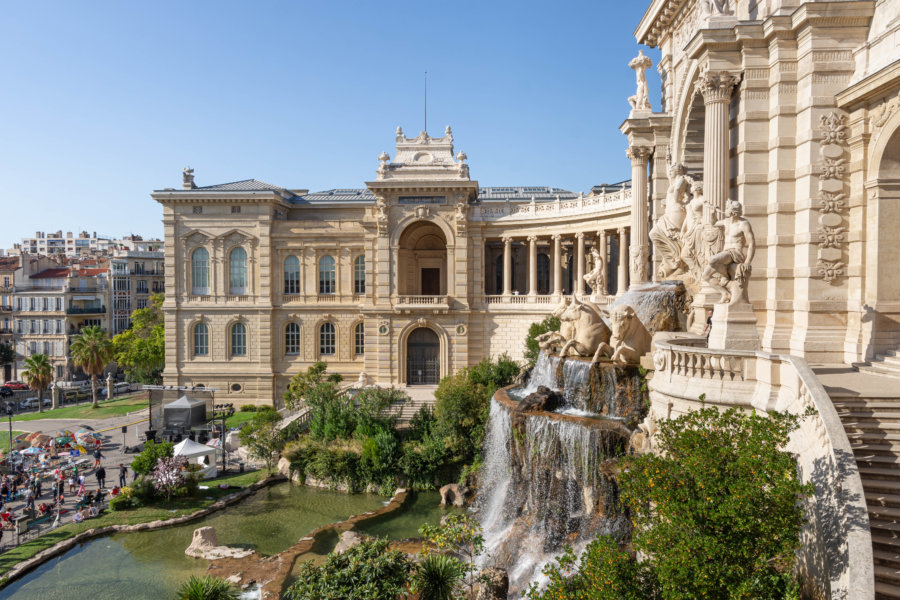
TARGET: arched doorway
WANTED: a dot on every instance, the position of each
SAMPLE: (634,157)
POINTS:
(422,261)
(423,357)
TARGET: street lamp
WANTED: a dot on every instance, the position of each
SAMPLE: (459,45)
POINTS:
(9,414)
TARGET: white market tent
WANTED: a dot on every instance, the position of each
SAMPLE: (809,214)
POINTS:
(198,454)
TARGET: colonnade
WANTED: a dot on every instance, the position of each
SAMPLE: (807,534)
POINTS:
(579,241)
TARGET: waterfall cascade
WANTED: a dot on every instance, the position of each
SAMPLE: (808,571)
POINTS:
(661,306)
(549,477)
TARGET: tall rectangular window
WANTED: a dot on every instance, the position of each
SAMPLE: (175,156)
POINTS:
(359,339)
(200,272)
(238,340)
(359,274)
(326,275)
(292,339)
(237,271)
(292,275)
(326,339)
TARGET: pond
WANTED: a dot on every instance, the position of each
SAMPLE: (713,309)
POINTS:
(151,565)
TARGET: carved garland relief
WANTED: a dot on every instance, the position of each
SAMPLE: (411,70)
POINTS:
(831,234)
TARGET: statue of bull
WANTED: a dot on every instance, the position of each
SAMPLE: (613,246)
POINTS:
(590,333)
(630,340)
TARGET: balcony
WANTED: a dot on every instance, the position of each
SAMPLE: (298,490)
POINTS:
(5,308)
(423,303)
(88,289)
(85,310)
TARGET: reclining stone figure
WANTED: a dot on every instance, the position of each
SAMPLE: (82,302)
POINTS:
(590,332)
(629,341)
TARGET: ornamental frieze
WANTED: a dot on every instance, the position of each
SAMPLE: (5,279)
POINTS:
(831,234)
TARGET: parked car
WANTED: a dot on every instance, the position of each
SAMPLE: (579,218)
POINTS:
(118,389)
(16,385)
(5,391)
(32,402)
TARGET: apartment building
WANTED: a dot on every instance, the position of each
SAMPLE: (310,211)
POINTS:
(134,276)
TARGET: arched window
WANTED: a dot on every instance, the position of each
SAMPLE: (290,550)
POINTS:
(543,274)
(326,339)
(292,275)
(238,340)
(359,274)
(200,272)
(237,272)
(201,339)
(292,339)
(326,275)
(359,339)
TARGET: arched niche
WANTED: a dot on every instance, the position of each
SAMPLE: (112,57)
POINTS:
(422,265)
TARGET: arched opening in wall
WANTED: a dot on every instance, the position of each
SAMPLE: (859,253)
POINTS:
(423,357)
(692,136)
(422,261)
(883,202)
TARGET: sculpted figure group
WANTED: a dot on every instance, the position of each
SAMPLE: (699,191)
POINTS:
(584,330)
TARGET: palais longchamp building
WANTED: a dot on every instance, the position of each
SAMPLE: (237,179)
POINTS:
(788,107)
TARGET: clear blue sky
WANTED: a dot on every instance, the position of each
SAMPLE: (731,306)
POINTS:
(103,102)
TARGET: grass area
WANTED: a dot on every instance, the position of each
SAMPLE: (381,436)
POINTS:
(161,511)
(4,438)
(239,418)
(108,408)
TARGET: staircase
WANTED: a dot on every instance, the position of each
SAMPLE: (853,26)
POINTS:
(883,364)
(869,407)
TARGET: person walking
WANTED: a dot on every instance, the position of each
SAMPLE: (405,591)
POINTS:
(97,456)
(101,478)
(123,475)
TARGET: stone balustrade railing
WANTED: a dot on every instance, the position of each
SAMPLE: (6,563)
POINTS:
(836,554)
(582,205)
(422,300)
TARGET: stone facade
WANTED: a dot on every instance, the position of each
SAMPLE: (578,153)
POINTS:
(258,276)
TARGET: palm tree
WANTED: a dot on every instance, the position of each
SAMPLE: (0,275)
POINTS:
(92,350)
(38,374)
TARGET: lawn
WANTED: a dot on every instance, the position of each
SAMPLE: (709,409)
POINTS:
(4,438)
(238,419)
(162,511)
(108,408)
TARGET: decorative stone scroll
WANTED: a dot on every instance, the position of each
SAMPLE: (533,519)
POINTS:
(831,234)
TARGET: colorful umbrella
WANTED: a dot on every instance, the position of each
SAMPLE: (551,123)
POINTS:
(31,451)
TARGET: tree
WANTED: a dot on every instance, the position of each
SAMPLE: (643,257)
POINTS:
(92,350)
(262,438)
(718,511)
(207,587)
(367,571)
(141,350)
(168,474)
(7,354)
(532,349)
(145,462)
(302,383)
(38,374)
(461,536)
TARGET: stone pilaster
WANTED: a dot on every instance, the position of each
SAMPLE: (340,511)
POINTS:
(532,265)
(640,241)
(507,266)
(557,266)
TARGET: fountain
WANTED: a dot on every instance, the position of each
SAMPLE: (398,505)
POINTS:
(549,476)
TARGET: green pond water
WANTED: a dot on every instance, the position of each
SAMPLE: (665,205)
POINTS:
(151,565)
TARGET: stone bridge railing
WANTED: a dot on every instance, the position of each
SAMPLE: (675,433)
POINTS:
(836,556)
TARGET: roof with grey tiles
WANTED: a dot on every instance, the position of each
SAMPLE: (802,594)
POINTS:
(245,185)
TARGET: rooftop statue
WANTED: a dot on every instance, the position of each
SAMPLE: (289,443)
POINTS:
(729,270)
(715,8)
(641,99)
(187,178)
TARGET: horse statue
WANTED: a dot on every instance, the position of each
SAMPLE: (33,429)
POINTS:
(590,331)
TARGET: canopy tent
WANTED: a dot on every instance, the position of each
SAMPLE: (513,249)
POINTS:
(184,412)
(198,454)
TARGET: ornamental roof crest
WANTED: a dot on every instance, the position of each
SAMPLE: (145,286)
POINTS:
(424,157)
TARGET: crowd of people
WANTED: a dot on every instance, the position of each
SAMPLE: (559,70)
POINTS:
(50,486)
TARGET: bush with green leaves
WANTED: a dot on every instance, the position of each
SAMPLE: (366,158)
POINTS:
(207,587)
(367,571)
(532,350)
(262,438)
(438,577)
(458,537)
(717,514)
(146,461)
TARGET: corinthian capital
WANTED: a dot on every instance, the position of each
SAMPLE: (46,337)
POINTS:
(506,239)
(639,154)
(533,239)
(716,86)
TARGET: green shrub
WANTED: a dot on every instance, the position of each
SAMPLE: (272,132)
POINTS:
(460,412)
(494,375)
(367,571)
(146,461)
(532,350)
(262,438)
(604,572)
(207,587)
(421,424)
(379,458)
(425,463)
(719,511)
(122,502)
(248,408)
(301,383)
(437,577)
(143,489)
(266,408)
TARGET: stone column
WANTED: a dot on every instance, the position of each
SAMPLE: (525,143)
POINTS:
(557,266)
(532,265)
(640,242)
(507,266)
(579,264)
(621,282)
(601,240)
(716,88)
